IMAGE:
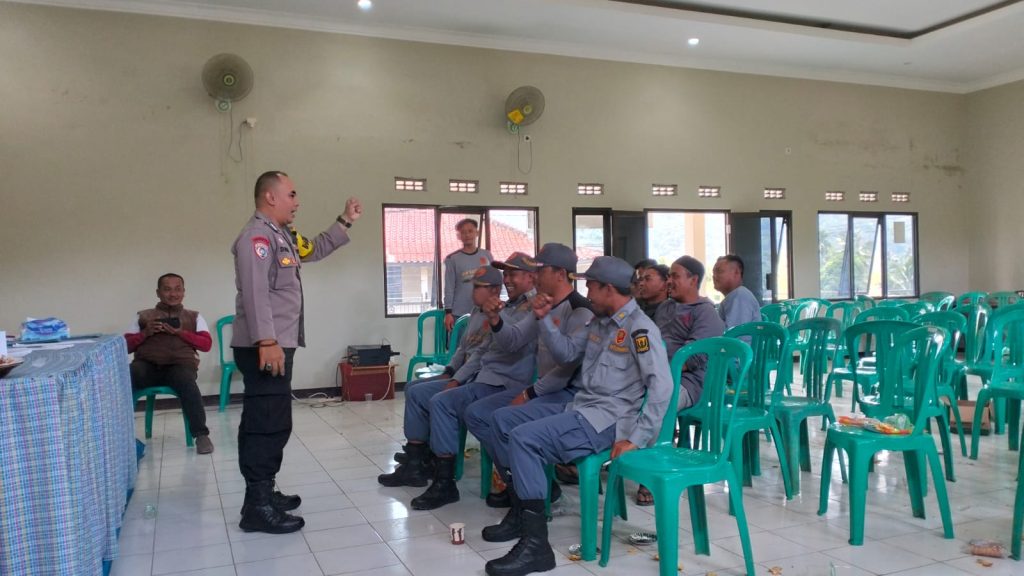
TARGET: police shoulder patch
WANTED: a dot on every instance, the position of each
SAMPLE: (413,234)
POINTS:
(261,247)
(640,341)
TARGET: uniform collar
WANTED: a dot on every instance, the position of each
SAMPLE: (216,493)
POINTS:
(625,312)
(263,217)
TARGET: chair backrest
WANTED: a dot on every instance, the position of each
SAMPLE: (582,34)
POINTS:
(974,334)
(802,308)
(767,343)
(955,324)
(439,342)
(941,300)
(915,309)
(455,337)
(845,311)
(777,312)
(915,360)
(875,337)
(1004,298)
(866,302)
(1005,343)
(890,303)
(726,356)
(221,324)
(817,333)
(882,313)
(971,298)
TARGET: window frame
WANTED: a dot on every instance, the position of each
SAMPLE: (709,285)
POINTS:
(881,218)
(482,212)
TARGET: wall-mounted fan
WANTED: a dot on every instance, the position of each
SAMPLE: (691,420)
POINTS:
(523,107)
(227,78)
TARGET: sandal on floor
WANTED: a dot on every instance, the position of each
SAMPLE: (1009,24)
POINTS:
(567,473)
(644,497)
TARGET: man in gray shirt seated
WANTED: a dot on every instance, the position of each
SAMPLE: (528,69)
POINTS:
(459,267)
(740,305)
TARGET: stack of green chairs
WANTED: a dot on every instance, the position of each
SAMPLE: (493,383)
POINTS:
(1006,298)
(846,312)
(915,309)
(866,361)
(667,470)
(777,312)
(970,298)
(866,302)
(919,354)
(941,300)
(436,353)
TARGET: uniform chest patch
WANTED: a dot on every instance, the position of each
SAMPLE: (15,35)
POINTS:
(261,247)
(287,261)
(620,337)
(483,261)
(617,348)
(641,342)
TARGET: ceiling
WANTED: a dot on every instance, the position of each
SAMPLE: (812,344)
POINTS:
(943,45)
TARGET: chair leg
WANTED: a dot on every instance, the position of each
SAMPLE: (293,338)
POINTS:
(826,476)
(666,519)
(787,482)
(1013,423)
(791,444)
(150,404)
(736,501)
(943,497)
(947,446)
(912,461)
(999,415)
(461,456)
(698,519)
(979,408)
(486,465)
(858,494)
(615,492)
(1018,511)
(805,445)
(225,387)
(954,407)
(754,451)
(189,441)
(589,509)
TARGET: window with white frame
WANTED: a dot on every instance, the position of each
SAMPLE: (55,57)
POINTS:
(867,253)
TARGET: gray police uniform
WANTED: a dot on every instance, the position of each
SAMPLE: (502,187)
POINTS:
(268,306)
(500,369)
(459,268)
(561,340)
(625,361)
(476,336)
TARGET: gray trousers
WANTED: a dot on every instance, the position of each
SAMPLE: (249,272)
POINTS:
(560,438)
(505,419)
(417,407)
(446,414)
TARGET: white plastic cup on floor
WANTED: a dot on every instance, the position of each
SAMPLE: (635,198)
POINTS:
(458,530)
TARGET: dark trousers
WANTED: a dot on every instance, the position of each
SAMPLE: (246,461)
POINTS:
(266,415)
(181,379)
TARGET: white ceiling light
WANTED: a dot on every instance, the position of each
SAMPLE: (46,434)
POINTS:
(693,41)
(365,4)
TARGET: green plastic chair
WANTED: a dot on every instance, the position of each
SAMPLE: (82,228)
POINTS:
(890,303)
(866,302)
(792,412)
(777,312)
(589,469)
(915,309)
(667,470)
(150,395)
(951,384)
(877,400)
(919,354)
(806,308)
(846,312)
(1005,298)
(876,338)
(227,367)
(454,339)
(866,360)
(438,349)
(1004,347)
(971,298)
(941,300)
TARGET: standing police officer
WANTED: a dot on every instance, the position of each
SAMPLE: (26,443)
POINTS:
(268,327)
(624,363)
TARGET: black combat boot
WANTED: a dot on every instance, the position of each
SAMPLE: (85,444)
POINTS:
(414,472)
(283,502)
(261,516)
(442,490)
(532,553)
(503,500)
(511,525)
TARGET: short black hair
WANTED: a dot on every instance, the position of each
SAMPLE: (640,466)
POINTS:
(735,260)
(265,180)
(160,280)
(645,263)
(467,221)
(661,269)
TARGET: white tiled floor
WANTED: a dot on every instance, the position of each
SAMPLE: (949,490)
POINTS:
(354,526)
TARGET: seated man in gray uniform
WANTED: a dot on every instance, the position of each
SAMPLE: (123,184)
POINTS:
(415,463)
(739,306)
(624,364)
(559,326)
(500,369)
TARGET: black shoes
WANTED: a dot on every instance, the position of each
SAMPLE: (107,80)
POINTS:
(260,515)
(442,490)
(415,471)
(532,553)
(502,500)
(510,526)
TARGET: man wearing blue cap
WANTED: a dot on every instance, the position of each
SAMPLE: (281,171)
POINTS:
(415,463)
(624,363)
(501,368)
(559,326)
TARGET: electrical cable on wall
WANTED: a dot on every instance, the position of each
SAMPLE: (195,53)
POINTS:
(519,146)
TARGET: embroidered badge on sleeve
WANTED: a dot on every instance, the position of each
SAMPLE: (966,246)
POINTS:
(261,247)
(641,342)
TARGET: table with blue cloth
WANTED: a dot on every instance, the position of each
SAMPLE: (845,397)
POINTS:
(67,458)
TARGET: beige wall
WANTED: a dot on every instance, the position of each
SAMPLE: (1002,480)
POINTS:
(995,144)
(114,168)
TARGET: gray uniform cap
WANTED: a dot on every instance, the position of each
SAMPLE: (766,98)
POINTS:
(487,276)
(611,270)
(557,255)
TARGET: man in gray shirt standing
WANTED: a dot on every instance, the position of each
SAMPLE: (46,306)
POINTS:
(459,267)
(740,305)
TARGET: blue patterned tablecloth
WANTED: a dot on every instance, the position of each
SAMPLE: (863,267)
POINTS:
(67,459)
